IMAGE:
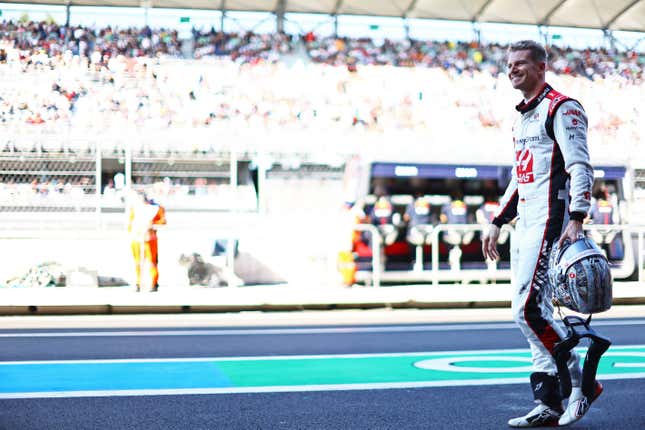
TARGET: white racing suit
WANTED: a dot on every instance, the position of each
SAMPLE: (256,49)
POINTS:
(551,183)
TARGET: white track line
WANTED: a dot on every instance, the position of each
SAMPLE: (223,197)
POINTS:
(291,331)
(286,389)
(616,350)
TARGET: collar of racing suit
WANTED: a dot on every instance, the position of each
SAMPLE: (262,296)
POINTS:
(524,107)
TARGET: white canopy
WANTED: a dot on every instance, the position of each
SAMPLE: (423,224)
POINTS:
(604,14)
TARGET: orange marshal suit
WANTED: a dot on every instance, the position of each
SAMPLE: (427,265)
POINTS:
(142,220)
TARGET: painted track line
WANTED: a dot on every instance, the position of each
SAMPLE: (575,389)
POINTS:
(285,389)
(623,348)
(295,331)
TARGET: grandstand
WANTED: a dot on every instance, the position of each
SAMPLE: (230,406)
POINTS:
(222,122)
(172,108)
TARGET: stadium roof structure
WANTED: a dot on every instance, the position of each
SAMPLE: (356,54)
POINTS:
(628,15)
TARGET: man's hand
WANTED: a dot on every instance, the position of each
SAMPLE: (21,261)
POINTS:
(573,232)
(489,244)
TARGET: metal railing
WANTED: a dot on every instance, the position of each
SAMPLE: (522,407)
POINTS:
(630,262)
(492,272)
(633,261)
(377,248)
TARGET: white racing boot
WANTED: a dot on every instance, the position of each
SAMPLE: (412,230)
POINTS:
(541,416)
(578,405)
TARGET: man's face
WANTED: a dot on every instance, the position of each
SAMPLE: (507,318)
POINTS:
(525,73)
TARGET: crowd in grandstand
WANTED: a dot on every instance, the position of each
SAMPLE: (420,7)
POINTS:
(24,191)
(469,56)
(45,41)
(242,47)
(110,79)
(52,40)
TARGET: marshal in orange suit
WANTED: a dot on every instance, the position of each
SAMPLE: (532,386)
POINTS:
(144,217)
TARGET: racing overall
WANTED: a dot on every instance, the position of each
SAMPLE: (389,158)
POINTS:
(418,215)
(456,212)
(602,212)
(419,212)
(143,238)
(551,183)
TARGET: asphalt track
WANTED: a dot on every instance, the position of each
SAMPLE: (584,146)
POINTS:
(325,377)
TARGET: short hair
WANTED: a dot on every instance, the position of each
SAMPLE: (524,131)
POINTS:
(538,53)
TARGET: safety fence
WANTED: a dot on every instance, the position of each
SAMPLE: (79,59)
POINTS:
(83,183)
(43,182)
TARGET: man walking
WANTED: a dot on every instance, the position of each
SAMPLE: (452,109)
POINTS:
(550,193)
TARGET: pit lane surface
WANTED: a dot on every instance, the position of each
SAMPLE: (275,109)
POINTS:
(361,407)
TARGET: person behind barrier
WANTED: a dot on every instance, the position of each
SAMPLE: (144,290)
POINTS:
(486,212)
(456,212)
(382,211)
(143,219)
(603,212)
(418,217)
(550,191)
(382,216)
(602,209)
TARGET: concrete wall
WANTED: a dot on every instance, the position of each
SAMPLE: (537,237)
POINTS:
(271,249)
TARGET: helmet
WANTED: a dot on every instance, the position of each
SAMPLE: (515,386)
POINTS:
(580,277)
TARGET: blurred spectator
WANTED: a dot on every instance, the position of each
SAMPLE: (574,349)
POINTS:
(454,213)
(603,212)
(418,216)
(383,216)
(105,80)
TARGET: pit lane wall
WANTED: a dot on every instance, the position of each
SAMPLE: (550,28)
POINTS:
(270,250)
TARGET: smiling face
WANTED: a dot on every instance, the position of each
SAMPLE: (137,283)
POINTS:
(526,74)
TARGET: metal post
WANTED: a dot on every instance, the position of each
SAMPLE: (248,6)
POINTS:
(98,182)
(128,165)
(544,34)
(230,249)
(609,37)
(640,256)
(477,32)
(376,257)
(435,256)
(279,15)
(222,17)
(230,258)
(68,13)
(263,167)
(233,169)
(418,263)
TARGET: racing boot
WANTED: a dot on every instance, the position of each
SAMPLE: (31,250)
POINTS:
(541,416)
(578,405)
(546,393)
